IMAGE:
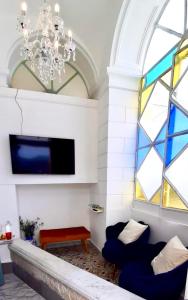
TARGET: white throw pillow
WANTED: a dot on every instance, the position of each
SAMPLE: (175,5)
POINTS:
(131,232)
(171,256)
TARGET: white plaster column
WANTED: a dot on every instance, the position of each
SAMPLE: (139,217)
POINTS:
(118,105)
(122,127)
(99,190)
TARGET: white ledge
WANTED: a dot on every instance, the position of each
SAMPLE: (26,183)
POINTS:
(24,95)
(84,283)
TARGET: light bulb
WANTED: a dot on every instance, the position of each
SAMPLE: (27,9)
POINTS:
(56,8)
(25,33)
(70,34)
(24,7)
(56,45)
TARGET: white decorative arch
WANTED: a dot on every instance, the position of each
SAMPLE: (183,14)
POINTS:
(133,33)
(84,63)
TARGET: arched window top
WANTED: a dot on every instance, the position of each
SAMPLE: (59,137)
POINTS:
(169,29)
(72,83)
(162,148)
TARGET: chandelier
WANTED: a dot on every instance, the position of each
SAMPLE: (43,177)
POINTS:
(47,47)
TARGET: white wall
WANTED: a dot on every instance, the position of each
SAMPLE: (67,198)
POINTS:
(99,190)
(122,125)
(56,205)
(164,223)
(118,103)
(8,211)
(51,116)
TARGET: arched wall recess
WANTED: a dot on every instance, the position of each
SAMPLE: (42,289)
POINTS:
(84,65)
(72,83)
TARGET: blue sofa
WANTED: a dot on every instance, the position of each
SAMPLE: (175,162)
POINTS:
(117,252)
(138,277)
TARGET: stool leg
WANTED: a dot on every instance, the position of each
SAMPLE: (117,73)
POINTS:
(43,246)
(85,246)
(114,271)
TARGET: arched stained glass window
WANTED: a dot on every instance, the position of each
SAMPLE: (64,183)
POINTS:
(162,147)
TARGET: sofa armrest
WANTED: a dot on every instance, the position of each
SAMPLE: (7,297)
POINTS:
(149,251)
(113,231)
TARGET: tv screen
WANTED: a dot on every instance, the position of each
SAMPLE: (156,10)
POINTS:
(41,155)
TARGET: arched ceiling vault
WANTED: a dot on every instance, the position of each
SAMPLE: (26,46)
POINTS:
(92,21)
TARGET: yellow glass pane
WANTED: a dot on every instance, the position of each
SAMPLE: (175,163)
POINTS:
(139,193)
(167,78)
(142,83)
(181,63)
(144,97)
(171,199)
(157,198)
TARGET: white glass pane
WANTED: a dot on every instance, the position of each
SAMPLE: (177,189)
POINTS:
(36,72)
(177,174)
(75,87)
(167,78)
(173,16)
(69,72)
(29,82)
(150,174)
(156,111)
(160,44)
(181,92)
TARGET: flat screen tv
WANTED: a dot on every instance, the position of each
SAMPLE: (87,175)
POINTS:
(42,155)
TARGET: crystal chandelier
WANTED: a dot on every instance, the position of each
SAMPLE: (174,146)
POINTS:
(46,47)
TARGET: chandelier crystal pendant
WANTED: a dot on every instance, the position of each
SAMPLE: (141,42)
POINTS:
(47,47)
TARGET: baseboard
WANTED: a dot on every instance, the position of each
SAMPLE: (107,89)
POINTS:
(7,268)
(96,245)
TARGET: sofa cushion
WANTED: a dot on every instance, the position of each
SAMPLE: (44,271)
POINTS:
(131,232)
(171,256)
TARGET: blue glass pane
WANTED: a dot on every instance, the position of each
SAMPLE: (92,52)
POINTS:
(160,68)
(178,120)
(161,149)
(143,139)
(174,146)
(162,134)
(141,155)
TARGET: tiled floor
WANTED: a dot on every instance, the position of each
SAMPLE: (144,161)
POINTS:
(92,262)
(16,289)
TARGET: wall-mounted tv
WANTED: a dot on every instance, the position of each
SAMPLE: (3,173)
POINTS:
(42,155)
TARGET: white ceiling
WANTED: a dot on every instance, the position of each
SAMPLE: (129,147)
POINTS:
(92,21)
